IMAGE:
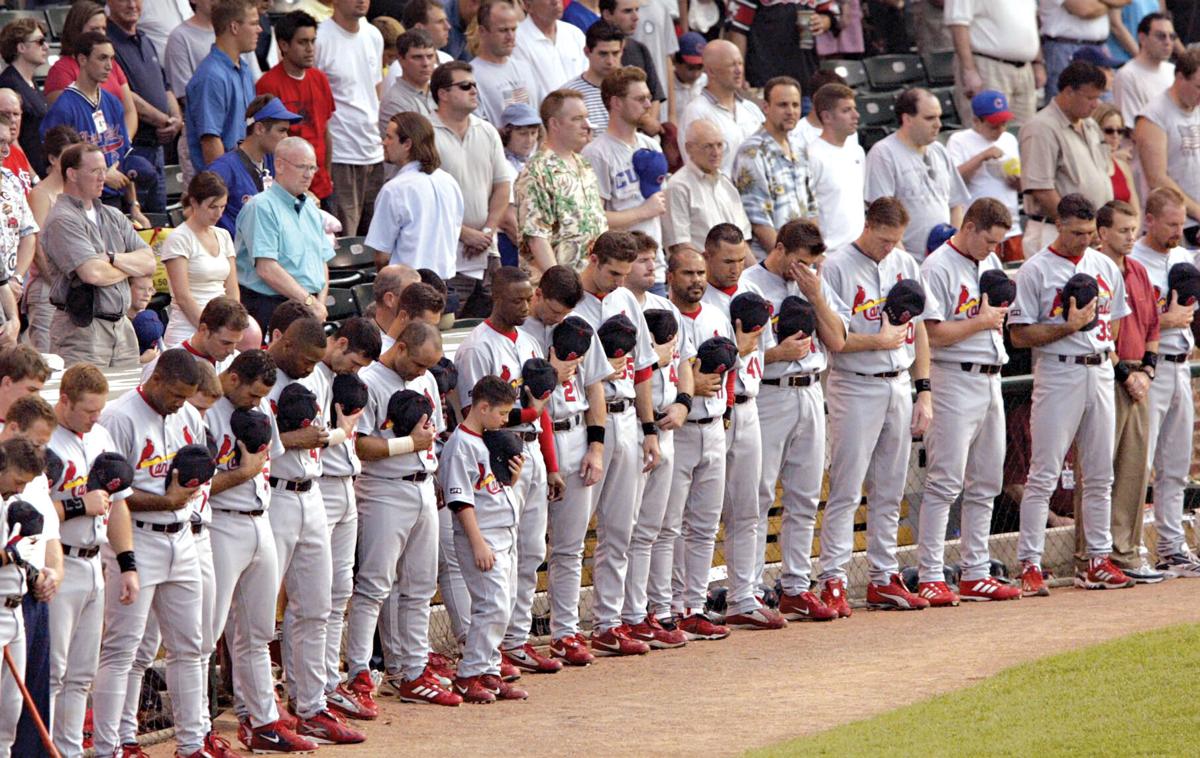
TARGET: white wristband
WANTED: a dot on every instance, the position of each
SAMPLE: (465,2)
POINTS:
(400,445)
(337,437)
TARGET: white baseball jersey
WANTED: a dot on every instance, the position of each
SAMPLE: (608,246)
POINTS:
(596,311)
(701,324)
(570,398)
(468,478)
(299,465)
(666,378)
(77,453)
(774,289)
(951,280)
(1158,265)
(254,495)
(37,494)
(750,367)
(12,578)
(862,286)
(218,366)
(1039,299)
(149,442)
(382,382)
(339,460)
(488,351)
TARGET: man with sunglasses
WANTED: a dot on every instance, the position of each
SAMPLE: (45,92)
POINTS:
(1151,71)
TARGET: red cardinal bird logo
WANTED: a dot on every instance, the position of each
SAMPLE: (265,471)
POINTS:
(966,304)
(486,481)
(71,479)
(505,374)
(860,297)
(1056,307)
(148,460)
(225,453)
(187,436)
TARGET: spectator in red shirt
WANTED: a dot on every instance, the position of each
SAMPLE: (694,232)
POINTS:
(1137,349)
(303,90)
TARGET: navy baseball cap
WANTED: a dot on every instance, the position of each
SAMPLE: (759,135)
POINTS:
(691,48)
(991,106)
(1095,56)
(520,114)
(274,111)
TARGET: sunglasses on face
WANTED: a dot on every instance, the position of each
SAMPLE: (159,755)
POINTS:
(465,86)
(1115,131)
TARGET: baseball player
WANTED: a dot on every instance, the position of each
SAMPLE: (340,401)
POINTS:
(299,523)
(965,444)
(485,528)
(725,253)
(577,415)
(498,348)
(791,408)
(672,403)
(148,426)
(88,519)
(1072,389)
(222,324)
(397,516)
(629,400)
(1171,410)
(355,345)
(683,552)
(872,416)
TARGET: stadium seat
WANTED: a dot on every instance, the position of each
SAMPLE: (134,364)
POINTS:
(852,71)
(364,296)
(876,109)
(344,279)
(175,214)
(945,96)
(340,304)
(56,15)
(939,68)
(158,220)
(868,136)
(350,252)
(9,16)
(175,188)
(892,72)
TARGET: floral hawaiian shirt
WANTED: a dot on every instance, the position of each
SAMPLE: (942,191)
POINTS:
(559,200)
(775,187)
(16,221)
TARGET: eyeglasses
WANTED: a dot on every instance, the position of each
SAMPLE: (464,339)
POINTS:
(1114,131)
(307,169)
(1165,36)
(708,145)
(465,86)
(37,41)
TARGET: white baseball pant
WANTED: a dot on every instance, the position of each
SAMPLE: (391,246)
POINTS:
(697,495)
(1172,416)
(965,448)
(492,594)
(12,634)
(169,573)
(656,489)
(76,616)
(743,470)
(531,496)
(1070,403)
(455,597)
(341,515)
(301,531)
(792,426)
(247,584)
(397,547)
(616,509)
(870,420)
(568,522)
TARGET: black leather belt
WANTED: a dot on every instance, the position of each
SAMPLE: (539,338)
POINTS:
(81,552)
(739,399)
(101,316)
(1093,359)
(702,421)
(1039,219)
(1018,64)
(980,368)
(418,477)
(1180,358)
(291,486)
(12,601)
(1072,40)
(178,526)
(881,374)
(618,406)
(528,436)
(569,424)
(792,380)
(258,512)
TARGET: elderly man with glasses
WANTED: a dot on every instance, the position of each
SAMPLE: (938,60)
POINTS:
(698,195)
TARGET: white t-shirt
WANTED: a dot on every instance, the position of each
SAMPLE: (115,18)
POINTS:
(501,85)
(1057,21)
(838,181)
(805,134)
(551,62)
(206,272)
(351,63)
(989,180)
(612,160)
(1007,30)
(1182,130)
(1134,85)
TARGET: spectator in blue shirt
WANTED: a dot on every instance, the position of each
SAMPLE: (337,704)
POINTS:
(282,250)
(249,169)
(222,85)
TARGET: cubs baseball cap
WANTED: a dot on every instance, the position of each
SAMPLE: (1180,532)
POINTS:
(991,106)
(1095,56)
(691,48)
(651,169)
(274,111)
(938,236)
(520,114)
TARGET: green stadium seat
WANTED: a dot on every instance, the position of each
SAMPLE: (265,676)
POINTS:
(340,304)
(876,108)
(350,252)
(892,72)
(939,68)
(364,296)
(852,71)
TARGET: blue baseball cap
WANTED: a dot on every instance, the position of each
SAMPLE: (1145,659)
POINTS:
(938,236)
(991,106)
(651,169)
(274,111)
(691,48)
(1095,56)
(520,114)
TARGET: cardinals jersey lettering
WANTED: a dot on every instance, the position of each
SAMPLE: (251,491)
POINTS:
(299,465)
(596,311)
(1040,281)
(570,397)
(77,453)
(702,324)
(750,368)
(467,478)
(489,352)
(149,442)
(382,382)
(254,495)
(1171,341)
(773,288)
(952,294)
(862,286)
(340,460)
(666,378)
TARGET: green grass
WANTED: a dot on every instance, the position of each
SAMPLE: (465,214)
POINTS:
(1057,706)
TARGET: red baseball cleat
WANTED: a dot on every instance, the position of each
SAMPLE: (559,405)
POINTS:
(502,689)
(427,688)
(653,634)
(761,617)
(133,750)
(937,594)
(442,667)
(363,690)
(345,703)
(698,627)
(219,747)
(805,607)
(286,715)
(471,690)
(833,594)
(987,588)
(508,672)
(894,596)
(529,659)
(616,641)
(328,728)
(1102,574)
(1032,583)
(277,738)
(572,650)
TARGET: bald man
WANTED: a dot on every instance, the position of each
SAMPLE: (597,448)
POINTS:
(16,161)
(719,102)
(699,196)
(389,283)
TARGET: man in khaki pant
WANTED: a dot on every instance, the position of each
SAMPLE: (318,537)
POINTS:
(1137,340)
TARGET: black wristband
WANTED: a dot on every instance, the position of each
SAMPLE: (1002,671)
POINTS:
(126,562)
(1121,372)
(648,428)
(685,400)
(595,433)
(73,508)
(1150,358)
(922,385)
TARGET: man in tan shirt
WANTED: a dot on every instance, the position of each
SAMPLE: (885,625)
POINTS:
(698,195)
(1063,152)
